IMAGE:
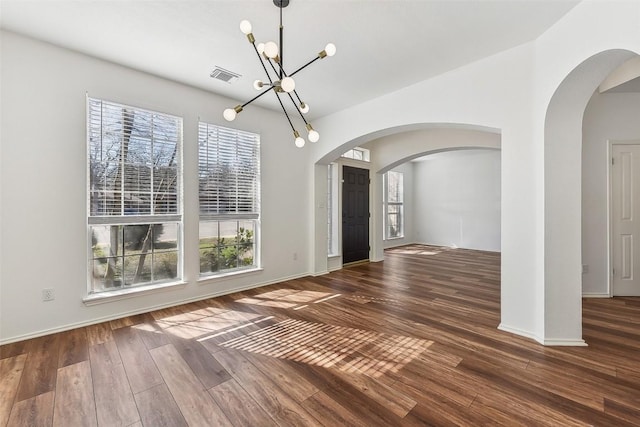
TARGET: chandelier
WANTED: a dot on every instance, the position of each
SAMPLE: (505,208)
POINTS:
(271,58)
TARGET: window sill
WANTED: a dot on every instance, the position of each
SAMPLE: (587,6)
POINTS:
(394,238)
(120,294)
(228,275)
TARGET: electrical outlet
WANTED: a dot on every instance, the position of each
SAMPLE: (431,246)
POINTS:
(295,256)
(585,268)
(48,295)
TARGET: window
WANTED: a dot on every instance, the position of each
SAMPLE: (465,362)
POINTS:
(393,205)
(332,209)
(357,154)
(134,196)
(229,192)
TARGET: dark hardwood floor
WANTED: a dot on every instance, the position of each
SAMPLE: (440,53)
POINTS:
(408,341)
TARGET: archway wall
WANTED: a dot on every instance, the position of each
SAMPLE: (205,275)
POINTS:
(595,52)
(563,195)
(393,150)
(509,91)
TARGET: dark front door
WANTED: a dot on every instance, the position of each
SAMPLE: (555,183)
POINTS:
(355,215)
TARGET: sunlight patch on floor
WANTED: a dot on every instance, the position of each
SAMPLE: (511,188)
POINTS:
(288,298)
(418,250)
(203,321)
(347,349)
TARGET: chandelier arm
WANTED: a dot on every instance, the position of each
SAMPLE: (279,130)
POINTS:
(262,63)
(295,92)
(297,109)
(285,113)
(273,67)
(283,73)
(257,96)
(304,66)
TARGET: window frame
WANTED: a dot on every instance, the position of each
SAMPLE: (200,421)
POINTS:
(240,216)
(95,292)
(357,153)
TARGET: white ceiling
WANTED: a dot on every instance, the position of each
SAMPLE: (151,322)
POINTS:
(383,45)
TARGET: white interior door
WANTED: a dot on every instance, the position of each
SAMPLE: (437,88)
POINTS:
(625,216)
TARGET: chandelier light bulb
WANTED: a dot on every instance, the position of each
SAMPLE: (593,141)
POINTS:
(314,136)
(299,140)
(260,48)
(271,49)
(304,107)
(330,48)
(229,114)
(245,27)
(288,84)
(258,84)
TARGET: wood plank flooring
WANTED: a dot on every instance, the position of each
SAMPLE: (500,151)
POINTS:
(409,341)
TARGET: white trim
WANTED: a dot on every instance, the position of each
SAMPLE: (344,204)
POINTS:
(228,216)
(145,310)
(561,342)
(595,295)
(129,292)
(133,219)
(226,275)
(609,221)
(520,332)
(334,263)
(345,161)
(323,273)
(610,144)
(558,342)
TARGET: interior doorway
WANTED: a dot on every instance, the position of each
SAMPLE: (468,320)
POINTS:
(355,215)
(625,224)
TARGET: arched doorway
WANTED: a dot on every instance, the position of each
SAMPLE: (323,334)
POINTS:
(562,197)
(396,146)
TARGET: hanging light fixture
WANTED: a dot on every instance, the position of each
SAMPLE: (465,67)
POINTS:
(271,58)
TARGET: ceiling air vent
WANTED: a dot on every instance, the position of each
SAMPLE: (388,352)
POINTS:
(226,76)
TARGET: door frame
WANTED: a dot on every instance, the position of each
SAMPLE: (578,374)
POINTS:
(610,144)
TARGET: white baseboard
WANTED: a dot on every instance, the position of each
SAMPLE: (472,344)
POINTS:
(322,273)
(560,342)
(519,332)
(546,342)
(144,310)
(595,295)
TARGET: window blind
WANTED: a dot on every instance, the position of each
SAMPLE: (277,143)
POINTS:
(229,172)
(134,160)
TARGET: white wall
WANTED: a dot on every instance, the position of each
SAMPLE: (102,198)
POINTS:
(609,116)
(408,189)
(43,193)
(457,199)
